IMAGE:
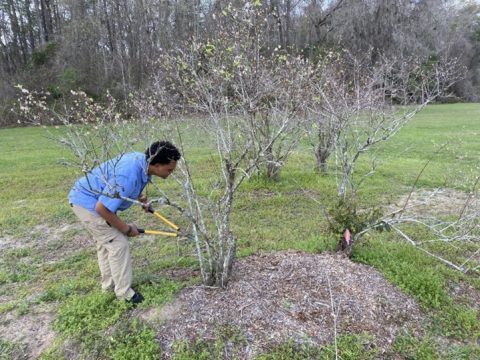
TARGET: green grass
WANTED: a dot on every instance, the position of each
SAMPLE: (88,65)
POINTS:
(267,216)
(133,340)
(86,317)
(95,312)
(228,340)
(457,126)
(34,184)
(10,350)
(349,347)
(409,346)
(426,280)
(396,260)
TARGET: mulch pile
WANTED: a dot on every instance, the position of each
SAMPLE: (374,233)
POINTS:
(292,296)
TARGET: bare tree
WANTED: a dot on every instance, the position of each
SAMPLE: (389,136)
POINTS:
(360,106)
(318,16)
(249,103)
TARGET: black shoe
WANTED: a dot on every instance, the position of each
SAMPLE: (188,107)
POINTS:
(137,298)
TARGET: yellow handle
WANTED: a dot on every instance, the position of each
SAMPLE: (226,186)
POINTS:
(166,221)
(156,232)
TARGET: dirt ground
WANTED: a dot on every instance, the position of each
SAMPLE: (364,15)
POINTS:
(284,296)
(437,203)
(272,298)
(32,330)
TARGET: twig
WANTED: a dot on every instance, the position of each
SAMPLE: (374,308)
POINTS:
(334,315)
(405,236)
(470,258)
(472,194)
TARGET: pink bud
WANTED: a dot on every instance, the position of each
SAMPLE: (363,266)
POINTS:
(346,235)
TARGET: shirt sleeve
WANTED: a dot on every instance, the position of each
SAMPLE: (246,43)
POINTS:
(121,186)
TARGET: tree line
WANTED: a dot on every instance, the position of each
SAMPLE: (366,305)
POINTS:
(100,45)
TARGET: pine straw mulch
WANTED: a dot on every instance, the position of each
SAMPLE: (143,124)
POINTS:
(287,296)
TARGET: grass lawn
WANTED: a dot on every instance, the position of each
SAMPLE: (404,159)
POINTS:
(45,263)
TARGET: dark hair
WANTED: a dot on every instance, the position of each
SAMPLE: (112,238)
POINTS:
(161,152)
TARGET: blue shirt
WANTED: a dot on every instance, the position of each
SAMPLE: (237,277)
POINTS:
(125,175)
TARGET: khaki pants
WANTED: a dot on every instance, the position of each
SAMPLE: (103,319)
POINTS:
(113,253)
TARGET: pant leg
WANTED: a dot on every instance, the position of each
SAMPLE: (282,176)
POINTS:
(113,253)
(120,265)
(104,265)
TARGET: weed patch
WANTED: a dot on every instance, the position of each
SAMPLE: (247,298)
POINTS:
(413,348)
(83,315)
(407,268)
(133,340)
(228,339)
(10,350)
(58,291)
(349,347)
(426,280)
(159,292)
(16,272)
(457,321)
